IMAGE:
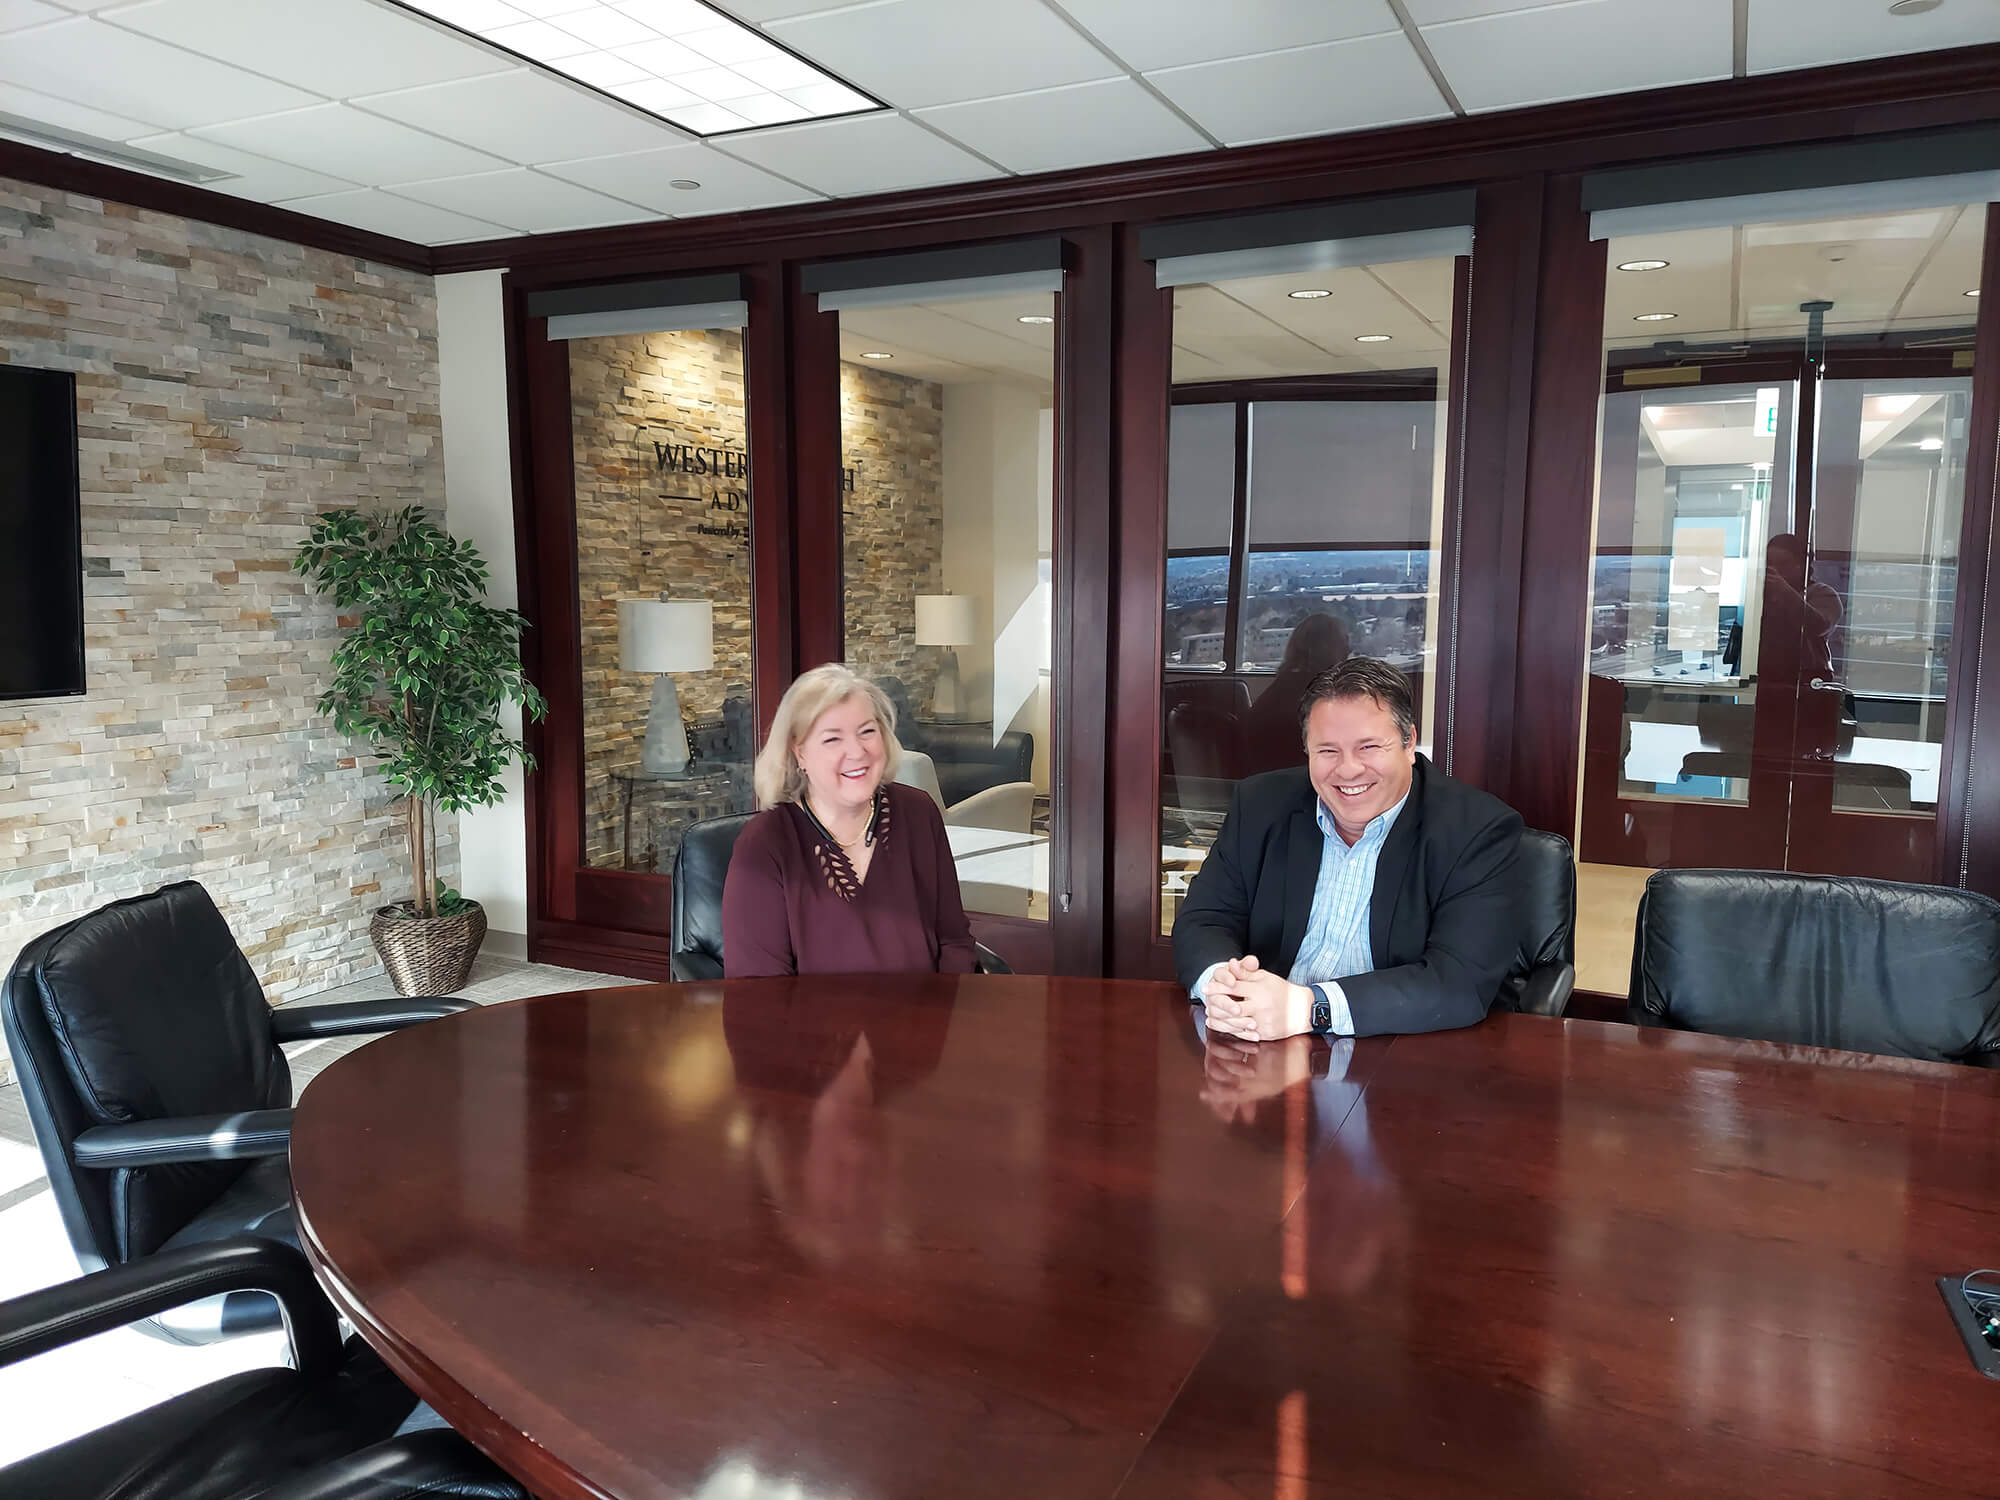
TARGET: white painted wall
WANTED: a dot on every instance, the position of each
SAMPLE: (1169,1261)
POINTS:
(998,453)
(479,507)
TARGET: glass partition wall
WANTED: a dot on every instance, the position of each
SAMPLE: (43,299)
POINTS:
(947,428)
(1781,492)
(1305,515)
(663,588)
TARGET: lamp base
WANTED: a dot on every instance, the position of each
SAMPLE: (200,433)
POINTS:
(947,700)
(666,750)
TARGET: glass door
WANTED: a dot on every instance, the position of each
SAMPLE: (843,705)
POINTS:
(1779,514)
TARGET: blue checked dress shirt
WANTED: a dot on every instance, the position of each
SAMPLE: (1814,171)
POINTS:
(1336,943)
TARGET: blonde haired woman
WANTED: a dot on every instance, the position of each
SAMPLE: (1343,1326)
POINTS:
(844,871)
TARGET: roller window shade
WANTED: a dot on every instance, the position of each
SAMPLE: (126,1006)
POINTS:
(673,306)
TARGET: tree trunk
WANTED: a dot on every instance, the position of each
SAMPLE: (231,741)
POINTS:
(413,819)
(431,819)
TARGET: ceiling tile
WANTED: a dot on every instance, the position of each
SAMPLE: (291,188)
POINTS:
(921,52)
(1308,91)
(524,200)
(644,177)
(1430,12)
(1811,33)
(1086,123)
(525,117)
(17,15)
(757,12)
(345,142)
(867,154)
(94,64)
(64,115)
(333,47)
(1580,50)
(1146,34)
(385,213)
(257,178)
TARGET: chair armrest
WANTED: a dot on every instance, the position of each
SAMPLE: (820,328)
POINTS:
(436,1463)
(300,1023)
(71,1310)
(986,961)
(152,1143)
(1546,989)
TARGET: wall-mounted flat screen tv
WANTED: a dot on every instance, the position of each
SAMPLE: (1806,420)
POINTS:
(41,536)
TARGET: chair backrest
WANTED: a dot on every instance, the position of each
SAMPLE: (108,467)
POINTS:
(1545,888)
(1820,961)
(701,864)
(141,1010)
(918,770)
(1546,876)
(1205,742)
(1009,807)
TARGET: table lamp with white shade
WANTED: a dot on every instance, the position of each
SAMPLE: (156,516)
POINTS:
(947,620)
(664,636)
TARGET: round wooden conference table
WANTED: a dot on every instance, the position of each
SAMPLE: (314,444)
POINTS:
(1014,1236)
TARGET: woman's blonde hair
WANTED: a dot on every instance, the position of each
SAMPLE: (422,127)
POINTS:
(777,774)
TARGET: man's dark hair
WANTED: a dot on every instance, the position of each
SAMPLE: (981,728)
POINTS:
(1363,677)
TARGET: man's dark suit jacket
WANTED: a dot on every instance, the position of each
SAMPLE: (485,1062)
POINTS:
(1444,921)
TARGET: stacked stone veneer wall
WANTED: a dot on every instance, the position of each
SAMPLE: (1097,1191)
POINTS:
(648,526)
(647,529)
(228,388)
(892,443)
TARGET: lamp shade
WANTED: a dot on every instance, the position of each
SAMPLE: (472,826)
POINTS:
(947,619)
(666,635)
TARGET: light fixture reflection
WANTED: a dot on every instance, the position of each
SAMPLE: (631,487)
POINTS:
(1371,338)
(1654,317)
(1932,445)
(1309,293)
(1643,265)
(876,354)
(1036,318)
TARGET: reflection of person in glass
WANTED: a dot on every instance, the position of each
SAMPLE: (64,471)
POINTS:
(815,1072)
(844,872)
(1271,728)
(1809,616)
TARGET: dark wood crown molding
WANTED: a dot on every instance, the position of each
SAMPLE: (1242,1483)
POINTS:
(34,167)
(1920,91)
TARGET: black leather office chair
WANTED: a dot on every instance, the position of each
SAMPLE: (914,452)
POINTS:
(322,1430)
(1820,961)
(149,1062)
(701,864)
(1545,964)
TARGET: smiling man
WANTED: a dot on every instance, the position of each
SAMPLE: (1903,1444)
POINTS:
(1363,893)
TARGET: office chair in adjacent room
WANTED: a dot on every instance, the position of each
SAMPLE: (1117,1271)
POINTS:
(150,1064)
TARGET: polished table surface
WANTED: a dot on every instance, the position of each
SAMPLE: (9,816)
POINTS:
(1013,1236)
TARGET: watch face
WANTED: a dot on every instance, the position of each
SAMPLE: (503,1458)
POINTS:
(1322,1014)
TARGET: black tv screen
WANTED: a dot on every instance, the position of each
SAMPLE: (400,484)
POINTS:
(41,536)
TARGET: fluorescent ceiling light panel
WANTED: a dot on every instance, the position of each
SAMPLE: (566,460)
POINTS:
(681,60)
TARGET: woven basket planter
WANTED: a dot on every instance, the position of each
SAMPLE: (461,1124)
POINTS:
(427,955)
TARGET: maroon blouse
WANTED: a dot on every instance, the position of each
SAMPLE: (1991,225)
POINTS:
(791,904)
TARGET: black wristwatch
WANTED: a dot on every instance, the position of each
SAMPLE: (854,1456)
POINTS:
(1322,1011)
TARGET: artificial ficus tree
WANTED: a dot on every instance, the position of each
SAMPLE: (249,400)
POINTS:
(423,671)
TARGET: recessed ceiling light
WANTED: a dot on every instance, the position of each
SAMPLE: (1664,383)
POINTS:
(1931,445)
(1654,317)
(684,184)
(1310,293)
(876,354)
(1973,293)
(1913,7)
(680,60)
(1643,265)
(1034,318)
(1371,338)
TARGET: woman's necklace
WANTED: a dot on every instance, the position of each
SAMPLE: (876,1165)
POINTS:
(846,845)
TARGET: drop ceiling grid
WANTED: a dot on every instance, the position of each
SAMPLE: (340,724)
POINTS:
(1001,88)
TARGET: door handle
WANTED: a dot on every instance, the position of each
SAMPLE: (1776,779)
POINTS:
(1821,685)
